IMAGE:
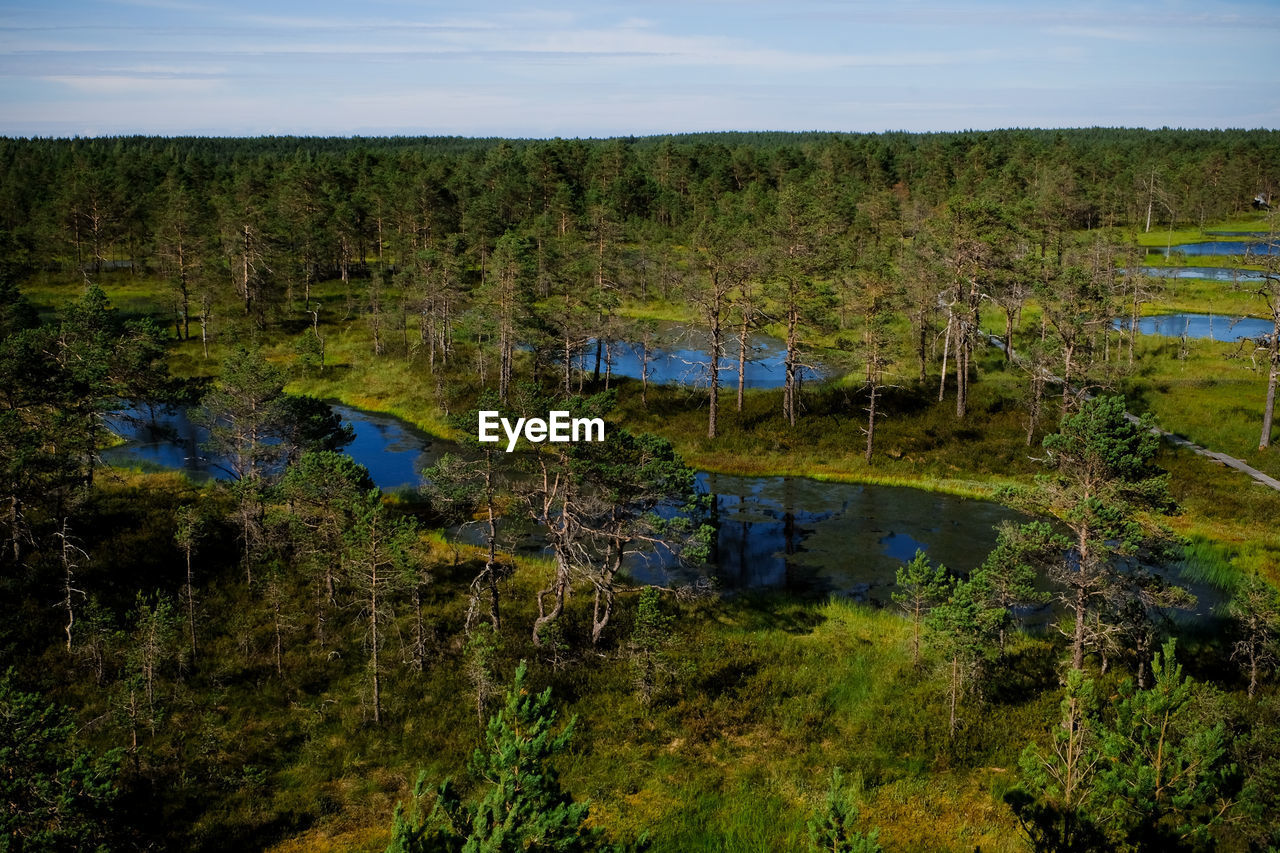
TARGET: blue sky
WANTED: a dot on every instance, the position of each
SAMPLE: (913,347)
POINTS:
(601,68)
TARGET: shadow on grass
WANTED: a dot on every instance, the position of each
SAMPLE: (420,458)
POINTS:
(1023,673)
(766,611)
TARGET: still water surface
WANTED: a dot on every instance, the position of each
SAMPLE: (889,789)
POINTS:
(1206,326)
(1212,273)
(780,532)
(679,355)
(783,533)
(1223,247)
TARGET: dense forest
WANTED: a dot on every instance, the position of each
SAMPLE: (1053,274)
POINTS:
(284,656)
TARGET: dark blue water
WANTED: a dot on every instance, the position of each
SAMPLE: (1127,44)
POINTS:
(1212,273)
(680,355)
(787,533)
(842,538)
(392,450)
(1205,326)
(902,547)
(1224,247)
(781,532)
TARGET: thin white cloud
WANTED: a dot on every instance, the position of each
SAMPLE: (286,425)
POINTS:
(194,70)
(616,68)
(176,5)
(1104,33)
(113,84)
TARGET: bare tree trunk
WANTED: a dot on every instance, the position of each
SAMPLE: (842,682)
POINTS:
(14,534)
(69,552)
(419,631)
(790,401)
(955,690)
(191,605)
(916,616)
(373,661)
(557,589)
(205,308)
(186,297)
(1133,323)
(244,281)
(644,373)
(1077,640)
(871,422)
(713,411)
(1066,379)
(506,330)
(491,561)
(1268,411)
(279,638)
(1037,400)
(946,348)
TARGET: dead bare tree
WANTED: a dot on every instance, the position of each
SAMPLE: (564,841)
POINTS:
(70,554)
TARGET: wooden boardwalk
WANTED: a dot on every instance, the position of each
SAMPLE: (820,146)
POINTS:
(1176,440)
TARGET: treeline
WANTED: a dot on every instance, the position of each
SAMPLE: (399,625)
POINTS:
(468,252)
(87,201)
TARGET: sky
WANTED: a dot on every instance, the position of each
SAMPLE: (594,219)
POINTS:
(235,68)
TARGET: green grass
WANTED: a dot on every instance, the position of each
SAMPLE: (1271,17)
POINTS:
(1205,296)
(132,295)
(1214,396)
(1210,562)
(736,755)
(1160,235)
(765,694)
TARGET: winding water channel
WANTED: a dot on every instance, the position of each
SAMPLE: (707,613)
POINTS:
(782,533)
(779,532)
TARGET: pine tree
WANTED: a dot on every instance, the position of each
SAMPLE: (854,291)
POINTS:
(1050,803)
(187,532)
(243,411)
(1103,486)
(964,631)
(832,830)
(650,636)
(1164,765)
(523,807)
(483,646)
(921,585)
(56,796)
(380,563)
(1007,578)
(1256,610)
